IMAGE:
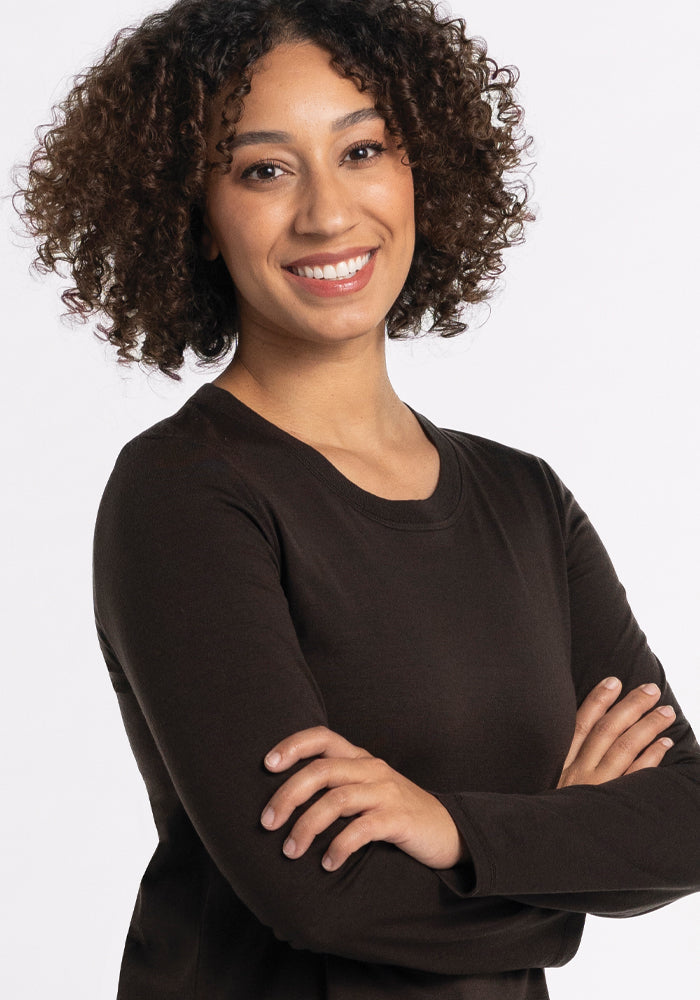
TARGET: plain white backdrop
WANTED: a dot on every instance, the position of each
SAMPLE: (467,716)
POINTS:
(588,357)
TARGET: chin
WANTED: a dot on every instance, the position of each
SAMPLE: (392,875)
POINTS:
(339,332)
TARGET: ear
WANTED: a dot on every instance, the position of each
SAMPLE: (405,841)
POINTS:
(208,246)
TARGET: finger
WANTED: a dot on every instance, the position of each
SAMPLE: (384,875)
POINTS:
(320,773)
(624,751)
(309,743)
(652,756)
(345,800)
(616,721)
(363,830)
(591,709)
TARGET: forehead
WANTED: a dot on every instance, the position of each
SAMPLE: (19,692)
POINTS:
(296,82)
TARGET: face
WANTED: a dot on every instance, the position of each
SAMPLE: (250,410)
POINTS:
(315,220)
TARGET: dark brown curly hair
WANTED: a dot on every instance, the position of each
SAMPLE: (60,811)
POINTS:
(116,185)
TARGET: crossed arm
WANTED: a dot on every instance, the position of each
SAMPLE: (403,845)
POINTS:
(190,618)
(611,738)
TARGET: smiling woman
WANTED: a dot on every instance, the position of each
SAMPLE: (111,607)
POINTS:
(123,206)
(297,564)
(317,193)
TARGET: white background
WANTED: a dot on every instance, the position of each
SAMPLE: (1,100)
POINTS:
(589,358)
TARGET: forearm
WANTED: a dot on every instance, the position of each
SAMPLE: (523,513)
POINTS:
(622,847)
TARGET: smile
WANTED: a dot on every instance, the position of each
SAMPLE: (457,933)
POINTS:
(331,272)
(333,281)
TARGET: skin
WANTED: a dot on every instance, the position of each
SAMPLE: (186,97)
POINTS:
(317,368)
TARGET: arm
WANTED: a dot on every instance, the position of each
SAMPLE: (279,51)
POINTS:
(619,848)
(609,740)
(190,609)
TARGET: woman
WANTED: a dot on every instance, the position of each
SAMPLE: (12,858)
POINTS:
(298,563)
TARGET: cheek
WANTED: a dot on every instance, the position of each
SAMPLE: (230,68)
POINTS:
(403,206)
(253,234)
(245,248)
(403,196)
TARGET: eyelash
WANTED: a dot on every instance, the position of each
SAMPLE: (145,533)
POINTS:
(364,144)
(368,144)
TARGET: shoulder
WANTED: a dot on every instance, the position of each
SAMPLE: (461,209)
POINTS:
(494,464)
(189,445)
(515,489)
(184,468)
(493,452)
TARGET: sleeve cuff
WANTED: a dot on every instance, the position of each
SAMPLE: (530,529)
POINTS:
(475,875)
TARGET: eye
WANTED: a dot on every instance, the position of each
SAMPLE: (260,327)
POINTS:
(363,146)
(262,165)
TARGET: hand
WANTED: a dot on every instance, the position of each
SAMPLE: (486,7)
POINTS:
(608,737)
(388,805)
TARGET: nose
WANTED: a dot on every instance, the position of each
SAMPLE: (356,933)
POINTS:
(326,205)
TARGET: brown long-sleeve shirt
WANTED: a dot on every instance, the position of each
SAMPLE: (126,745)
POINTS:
(245,589)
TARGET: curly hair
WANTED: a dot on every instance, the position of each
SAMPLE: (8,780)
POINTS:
(116,186)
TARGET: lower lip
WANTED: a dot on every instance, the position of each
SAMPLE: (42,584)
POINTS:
(328,287)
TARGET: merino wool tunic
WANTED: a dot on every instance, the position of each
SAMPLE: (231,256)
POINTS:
(245,589)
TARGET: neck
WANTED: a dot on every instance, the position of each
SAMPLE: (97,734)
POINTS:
(333,394)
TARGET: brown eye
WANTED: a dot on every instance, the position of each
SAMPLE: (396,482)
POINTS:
(364,148)
(264,165)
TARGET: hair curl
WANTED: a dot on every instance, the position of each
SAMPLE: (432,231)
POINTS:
(116,186)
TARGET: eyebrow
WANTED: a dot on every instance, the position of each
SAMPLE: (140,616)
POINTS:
(354,118)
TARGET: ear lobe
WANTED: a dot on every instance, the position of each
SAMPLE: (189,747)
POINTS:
(208,246)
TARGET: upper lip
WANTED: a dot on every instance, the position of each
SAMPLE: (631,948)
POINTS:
(329,258)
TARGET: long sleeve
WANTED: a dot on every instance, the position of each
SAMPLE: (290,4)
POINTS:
(620,848)
(193,620)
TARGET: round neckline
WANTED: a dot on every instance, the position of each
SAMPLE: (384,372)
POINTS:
(437,510)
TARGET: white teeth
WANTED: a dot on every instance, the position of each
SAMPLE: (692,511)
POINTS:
(343,269)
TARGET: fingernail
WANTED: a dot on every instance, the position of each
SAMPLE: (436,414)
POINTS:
(666,710)
(273,759)
(666,742)
(268,817)
(650,689)
(289,847)
(327,862)
(610,683)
